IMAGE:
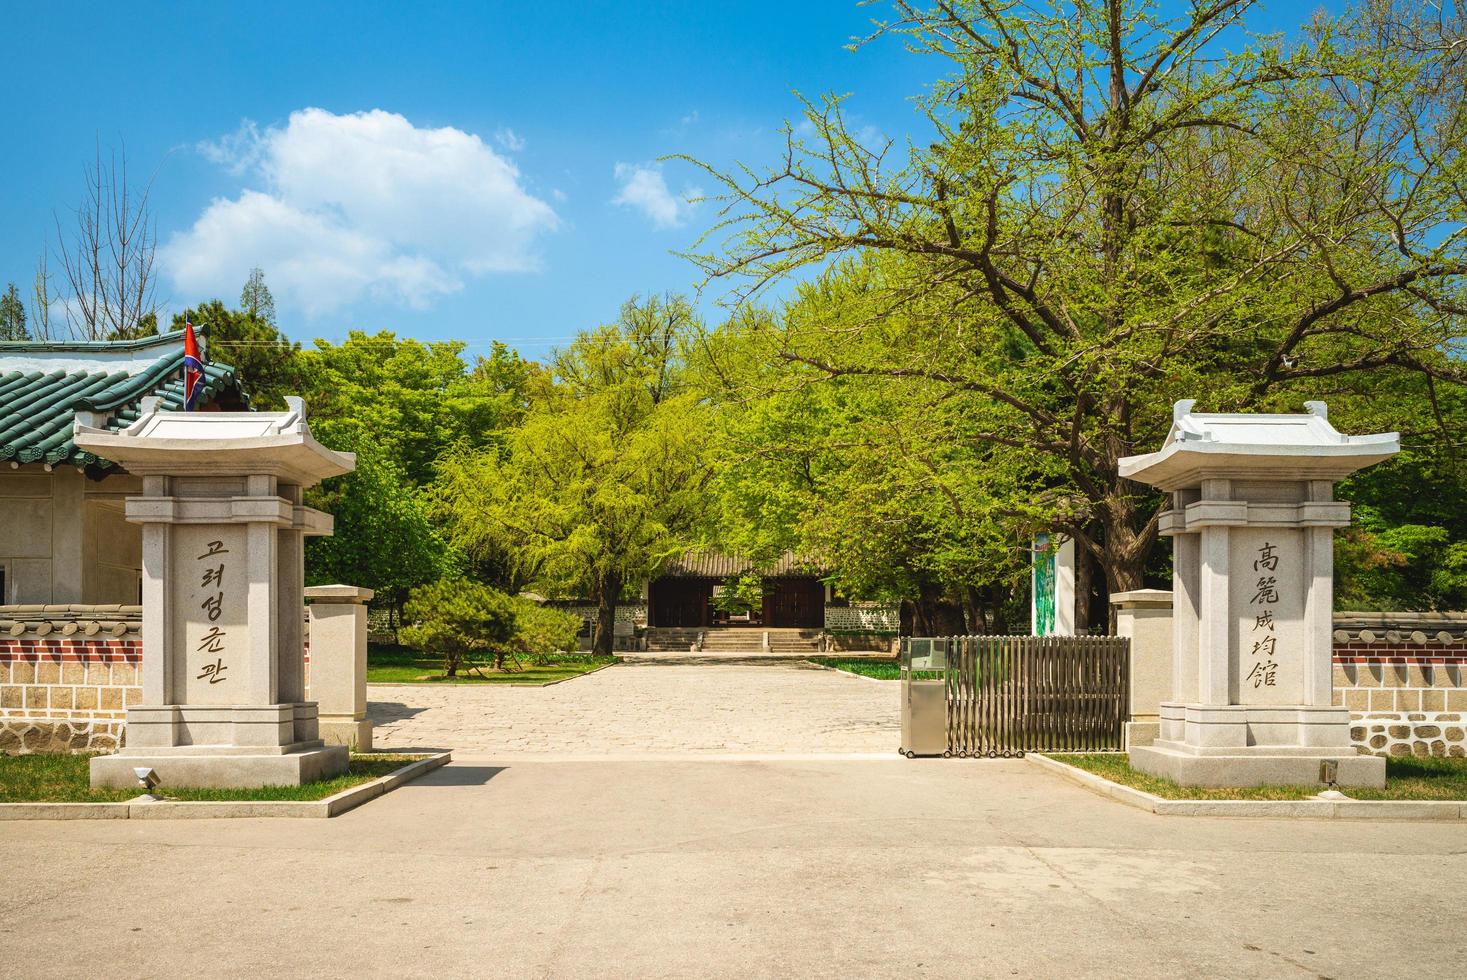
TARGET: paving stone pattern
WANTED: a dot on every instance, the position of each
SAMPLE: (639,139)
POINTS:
(649,706)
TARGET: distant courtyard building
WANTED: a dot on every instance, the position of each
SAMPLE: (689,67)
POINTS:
(795,597)
(63,539)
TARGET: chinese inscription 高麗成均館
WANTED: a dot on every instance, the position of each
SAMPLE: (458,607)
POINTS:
(212,642)
(1265,631)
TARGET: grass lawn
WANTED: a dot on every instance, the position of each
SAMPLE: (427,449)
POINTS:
(66,779)
(1406,779)
(402,665)
(881,668)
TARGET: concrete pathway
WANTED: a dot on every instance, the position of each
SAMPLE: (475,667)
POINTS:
(663,705)
(714,868)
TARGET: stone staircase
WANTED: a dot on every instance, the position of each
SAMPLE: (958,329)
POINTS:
(672,639)
(794,641)
(734,640)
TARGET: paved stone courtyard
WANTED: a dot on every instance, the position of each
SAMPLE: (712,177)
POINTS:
(667,705)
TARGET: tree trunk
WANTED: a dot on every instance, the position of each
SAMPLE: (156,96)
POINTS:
(998,597)
(603,637)
(1084,574)
(973,612)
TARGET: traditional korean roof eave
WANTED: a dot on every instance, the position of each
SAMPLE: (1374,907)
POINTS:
(1260,447)
(43,387)
(714,564)
(220,444)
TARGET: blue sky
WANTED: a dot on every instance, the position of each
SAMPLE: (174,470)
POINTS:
(477,171)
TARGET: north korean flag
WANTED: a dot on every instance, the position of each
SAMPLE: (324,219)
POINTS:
(193,369)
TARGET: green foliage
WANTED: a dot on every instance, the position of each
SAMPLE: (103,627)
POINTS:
(385,538)
(1114,213)
(266,363)
(400,404)
(459,619)
(12,315)
(255,299)
(603,481)
(740,593)
(540,630)
(415,399)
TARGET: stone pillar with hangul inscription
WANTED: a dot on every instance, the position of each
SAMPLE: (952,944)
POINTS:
(1252,521)
(223,526)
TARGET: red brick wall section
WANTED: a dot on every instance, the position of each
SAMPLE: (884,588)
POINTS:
(1407,693)
(66,693)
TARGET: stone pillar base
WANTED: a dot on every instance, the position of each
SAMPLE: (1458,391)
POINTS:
(1141,733)
(354,733)
(1257,766)
(216,769)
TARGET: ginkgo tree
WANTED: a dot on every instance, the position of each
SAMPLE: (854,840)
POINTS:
(1121,205)
(604,480)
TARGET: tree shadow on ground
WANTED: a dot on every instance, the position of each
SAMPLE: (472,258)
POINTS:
(392,710)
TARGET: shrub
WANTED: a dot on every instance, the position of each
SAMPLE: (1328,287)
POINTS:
(459,619)
(540,630)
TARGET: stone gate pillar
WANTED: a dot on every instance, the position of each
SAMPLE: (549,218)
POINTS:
(223,680)
(338,617)
(1252,519)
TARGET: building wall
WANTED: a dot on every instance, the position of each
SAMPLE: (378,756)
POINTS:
(876,617)
(1406,689)
(66,540)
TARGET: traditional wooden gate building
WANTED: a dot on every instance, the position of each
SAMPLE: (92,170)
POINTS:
(794,595)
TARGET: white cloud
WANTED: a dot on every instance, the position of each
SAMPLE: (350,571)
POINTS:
(509,140)
(645,189)
(358,206)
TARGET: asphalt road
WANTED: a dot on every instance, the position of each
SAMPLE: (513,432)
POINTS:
(713,867)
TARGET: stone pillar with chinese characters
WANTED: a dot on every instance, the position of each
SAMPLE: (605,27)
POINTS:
(1252,521)
(223,525)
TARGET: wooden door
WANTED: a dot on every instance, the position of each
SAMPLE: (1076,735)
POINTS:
(796,603)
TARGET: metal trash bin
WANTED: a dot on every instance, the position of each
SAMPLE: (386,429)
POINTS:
(924,697)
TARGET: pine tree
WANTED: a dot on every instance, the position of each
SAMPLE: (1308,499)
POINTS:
(255,299)
(12,316)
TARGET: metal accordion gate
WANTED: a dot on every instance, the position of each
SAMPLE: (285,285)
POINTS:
(1007,695)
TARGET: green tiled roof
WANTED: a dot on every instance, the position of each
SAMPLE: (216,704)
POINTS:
(38,406)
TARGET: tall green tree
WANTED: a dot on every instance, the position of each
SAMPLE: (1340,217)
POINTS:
(264,359)
(414,399)
(401,404)
(255,299)
(1123,205)
(12,315)
(385,539)
(604,480)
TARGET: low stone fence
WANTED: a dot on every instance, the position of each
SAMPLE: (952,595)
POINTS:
(67,675)
(858,617)
(1404,678)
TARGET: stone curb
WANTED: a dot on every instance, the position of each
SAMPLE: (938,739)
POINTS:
(691,758)
(532,686)
(1311,808)
(331,806)
(850,673)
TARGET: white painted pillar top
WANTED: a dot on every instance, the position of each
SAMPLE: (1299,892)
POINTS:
(350,594)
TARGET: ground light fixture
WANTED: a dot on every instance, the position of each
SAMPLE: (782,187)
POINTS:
(147,778)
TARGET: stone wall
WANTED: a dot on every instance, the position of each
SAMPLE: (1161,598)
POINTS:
(67,675)
(1404,678)
(874,616)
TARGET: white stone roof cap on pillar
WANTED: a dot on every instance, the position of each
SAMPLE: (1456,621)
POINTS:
(277,444)
(1279,447)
